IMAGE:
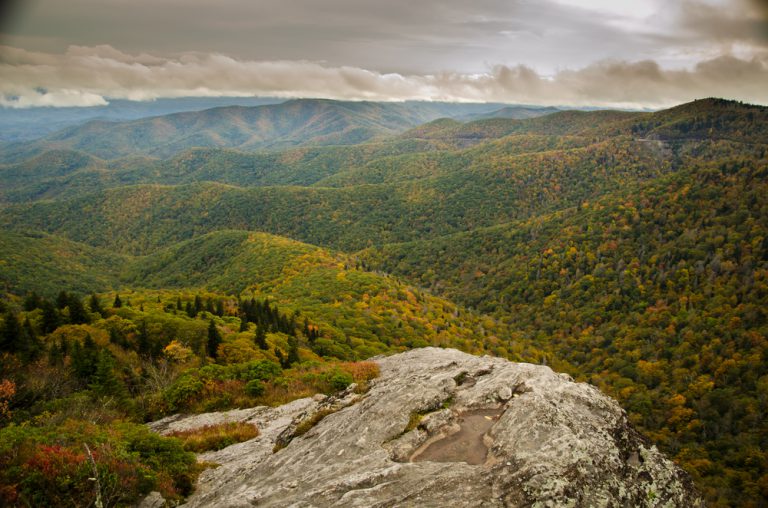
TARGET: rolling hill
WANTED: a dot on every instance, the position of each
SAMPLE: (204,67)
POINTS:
(626,248)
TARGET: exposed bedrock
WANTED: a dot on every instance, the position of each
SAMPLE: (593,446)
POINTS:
(443,428)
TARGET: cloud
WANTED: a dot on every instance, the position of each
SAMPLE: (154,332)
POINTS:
(90,75)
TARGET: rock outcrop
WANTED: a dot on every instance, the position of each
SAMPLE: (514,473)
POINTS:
(443,428)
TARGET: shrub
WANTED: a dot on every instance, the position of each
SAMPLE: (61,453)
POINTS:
(50,465)
(254,388)
(216,437)
(340,380)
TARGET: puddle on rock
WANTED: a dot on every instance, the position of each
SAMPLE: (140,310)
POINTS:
(467,444)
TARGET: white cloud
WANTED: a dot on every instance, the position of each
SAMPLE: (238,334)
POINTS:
(88,75)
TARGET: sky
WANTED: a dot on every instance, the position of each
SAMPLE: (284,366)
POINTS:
(607,53)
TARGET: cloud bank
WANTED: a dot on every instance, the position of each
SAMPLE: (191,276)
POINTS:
(89,75)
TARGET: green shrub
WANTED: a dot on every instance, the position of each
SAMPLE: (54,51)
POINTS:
(254,388)
(339,380)
(182,391)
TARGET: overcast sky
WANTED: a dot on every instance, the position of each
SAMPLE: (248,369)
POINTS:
(625,53)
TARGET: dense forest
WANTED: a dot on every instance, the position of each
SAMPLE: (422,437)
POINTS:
(627,249)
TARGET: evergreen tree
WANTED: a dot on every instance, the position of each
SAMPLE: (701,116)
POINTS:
(293,351)
(84,358)
(62,300)
(261,338)
(104,381)
(243,323)
(31,343)
(77,314)
(198,305)
(117,303)
(214,339)
(95,305)
(32,302)
(50,317)
(178,303)
(190,310)
(10,333)
(281,358)
(143,343)
(219,308)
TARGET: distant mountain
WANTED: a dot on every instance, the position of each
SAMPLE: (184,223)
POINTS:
(512,112)
(26,124)
(292,123)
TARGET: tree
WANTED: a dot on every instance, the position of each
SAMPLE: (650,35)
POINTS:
(117,303)
(293,351)
(77,314)
(143,343)
(214,339)
(104,381)
(261,338)
(95,305)
(31,344)
(50,317)
(10,333)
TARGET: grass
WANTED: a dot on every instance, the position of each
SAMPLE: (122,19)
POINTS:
(313,420)
(216,437)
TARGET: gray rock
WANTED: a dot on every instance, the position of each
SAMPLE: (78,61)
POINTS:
(550,442)
(153,500)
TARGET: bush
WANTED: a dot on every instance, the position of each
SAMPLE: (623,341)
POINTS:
(216,437)
(340,380)
(254,388)
(50,465)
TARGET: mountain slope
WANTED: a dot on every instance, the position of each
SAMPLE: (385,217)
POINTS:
(361,314)
(656,294)
(294,122)
(463,191)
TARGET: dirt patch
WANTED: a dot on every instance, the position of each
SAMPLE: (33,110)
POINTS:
(465,445)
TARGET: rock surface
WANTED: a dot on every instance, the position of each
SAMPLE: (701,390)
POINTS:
(550,442)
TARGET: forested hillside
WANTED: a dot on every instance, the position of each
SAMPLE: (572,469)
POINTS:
(628,249)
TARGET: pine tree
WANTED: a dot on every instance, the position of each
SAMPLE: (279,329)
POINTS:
(143,342)
(10,333)
(243,323)
(117,303)
(281,358)
(84,358)
(178,303)
(32,346)
(95,305)
(261,338)
(50,317)
(62,300)
(293,351)
(77,314)
(214,339)
(32,302)
(104,381)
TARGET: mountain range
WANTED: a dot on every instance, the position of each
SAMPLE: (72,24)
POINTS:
(629,249)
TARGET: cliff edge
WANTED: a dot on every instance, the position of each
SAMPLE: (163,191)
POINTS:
(442,428)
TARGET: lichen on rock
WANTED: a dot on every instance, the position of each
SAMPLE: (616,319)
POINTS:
(548,442)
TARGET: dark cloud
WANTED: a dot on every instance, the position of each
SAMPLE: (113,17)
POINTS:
(638,52)
(396,35)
